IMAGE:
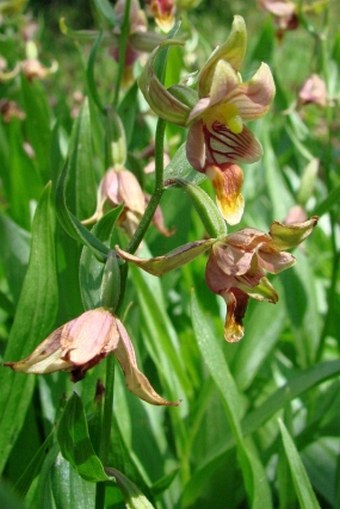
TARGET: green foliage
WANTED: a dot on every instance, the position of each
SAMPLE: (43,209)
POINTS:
(258,421)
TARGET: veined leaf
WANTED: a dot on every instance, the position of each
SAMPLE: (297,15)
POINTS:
(34,318)
(75,443)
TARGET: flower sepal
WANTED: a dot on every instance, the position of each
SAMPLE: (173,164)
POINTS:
(162,264)
(161,100)
(289,236)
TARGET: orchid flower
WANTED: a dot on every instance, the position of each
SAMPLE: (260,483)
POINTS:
(218,139)
(84,341)
(164,13)
(120,186)
(237,265)
(313,91)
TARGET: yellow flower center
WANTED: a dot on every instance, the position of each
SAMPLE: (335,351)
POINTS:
(226,114)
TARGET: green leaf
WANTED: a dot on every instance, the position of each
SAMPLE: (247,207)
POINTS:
(326,205)
(90,73)
(208,212)
(127,110)
(305,380)
(68,488)
(134,499)
(105,11)
(280,197)
(35,315)
(81,178)
(302,485)
(254,476)
(14,254)
(262,333)
(9,499)
(37,124)
(76,447)
(90,269)
(72,225)
(75,443)
(179,168)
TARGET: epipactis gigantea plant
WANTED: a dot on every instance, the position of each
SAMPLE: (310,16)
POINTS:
(237,265)
(218,139)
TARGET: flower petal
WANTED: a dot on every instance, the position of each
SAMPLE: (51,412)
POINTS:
(254,98)
(237,302)
(217,281)
(289,236)
(224,81)
(223,146)
(46,358)
(275,262)
(195,146)
(231,260)
(91,336)
(232,51)
(263,290)
(278,7)
(227,182)
(136,382)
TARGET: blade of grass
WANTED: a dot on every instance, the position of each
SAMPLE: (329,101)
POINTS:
(301,481)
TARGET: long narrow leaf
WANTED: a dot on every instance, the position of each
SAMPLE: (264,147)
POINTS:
(301,481)
(253,473)
(34,318)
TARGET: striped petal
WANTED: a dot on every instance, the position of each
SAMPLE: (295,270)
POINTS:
(223,146)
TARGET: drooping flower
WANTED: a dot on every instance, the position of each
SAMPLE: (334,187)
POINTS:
(237,265)
(120,186)
(313,91)
(284,13)
(82,343)
(218,137)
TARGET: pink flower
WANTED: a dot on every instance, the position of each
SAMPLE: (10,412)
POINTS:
(218,138)
(120,186)
(284,12)
(81,343)
(313,91)
(238,264)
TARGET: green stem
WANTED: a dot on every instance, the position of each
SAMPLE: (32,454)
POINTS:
(106,427)
(122,50)
(158,189)
(152,205)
